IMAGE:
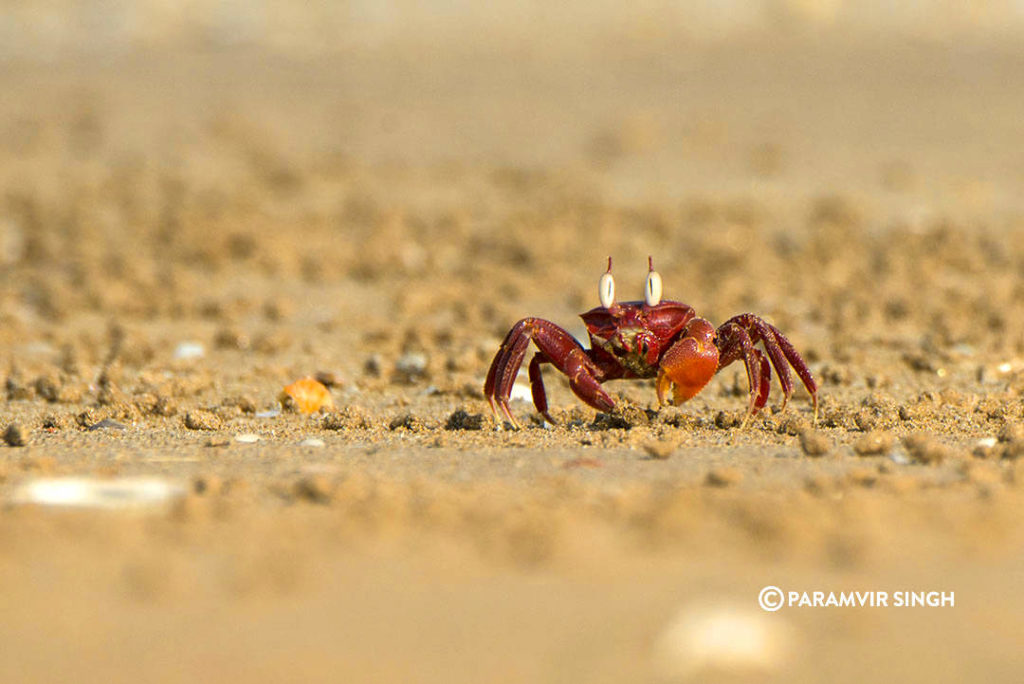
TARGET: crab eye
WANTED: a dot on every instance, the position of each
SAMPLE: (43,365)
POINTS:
(606,287)
(652,288)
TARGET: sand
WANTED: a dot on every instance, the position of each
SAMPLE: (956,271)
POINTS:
(183,235)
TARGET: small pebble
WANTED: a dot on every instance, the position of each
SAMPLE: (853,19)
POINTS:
(1014,475)
(276,309)
(202,420)
(16,387)
(1011,432)
(875,381)
(875,443)
(583,462)
(243,403)
(926,449)
(15,435)
(793,425)
(328,378)
(612,421)
(247,438)
(818,483)
(208,484)
(407,421)
(48,387)
(411,366)
(899,484)
(660,449)
(1012,451)
(461,420)
(864,477)
(164,406)
(724,476)
(815,443)
(865,420)
(350,417)
(85,418)
(373,365)
(231,338)
(312,442)
(107,424)
(316,488)
(725,420)
(981,473)
(986,447)
(53,421)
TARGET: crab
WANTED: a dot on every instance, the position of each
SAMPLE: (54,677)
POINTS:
(645,339)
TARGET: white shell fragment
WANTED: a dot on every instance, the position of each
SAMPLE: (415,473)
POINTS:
(521,392)
(312,442)
(83,492)
(412,364)
(606,290)
(899,456)
(726,640)
(189,350)
(652,288)
(247,438)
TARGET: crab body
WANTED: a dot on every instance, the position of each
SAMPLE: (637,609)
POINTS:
(645,339)
(635,334)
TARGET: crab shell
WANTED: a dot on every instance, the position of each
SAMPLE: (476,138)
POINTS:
(307,396)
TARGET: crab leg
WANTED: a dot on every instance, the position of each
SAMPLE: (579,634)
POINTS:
(589,392)
(769,334)
(798,363)
(766,383)
(780,351)
(734,344)
(540,397)
(558,348)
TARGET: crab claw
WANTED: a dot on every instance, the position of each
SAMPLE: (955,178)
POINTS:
(688,364)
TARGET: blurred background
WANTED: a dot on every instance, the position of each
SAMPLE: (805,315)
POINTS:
(677,94)
(61,28)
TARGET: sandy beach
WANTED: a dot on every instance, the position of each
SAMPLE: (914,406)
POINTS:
(184,232)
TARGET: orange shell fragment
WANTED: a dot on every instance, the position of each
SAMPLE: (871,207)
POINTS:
(307,395)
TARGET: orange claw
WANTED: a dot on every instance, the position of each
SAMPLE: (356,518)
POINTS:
(689,364)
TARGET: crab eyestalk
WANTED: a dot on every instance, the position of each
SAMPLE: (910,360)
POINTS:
(606,287)
(652,288)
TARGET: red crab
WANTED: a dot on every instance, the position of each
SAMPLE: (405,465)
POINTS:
(647,339)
